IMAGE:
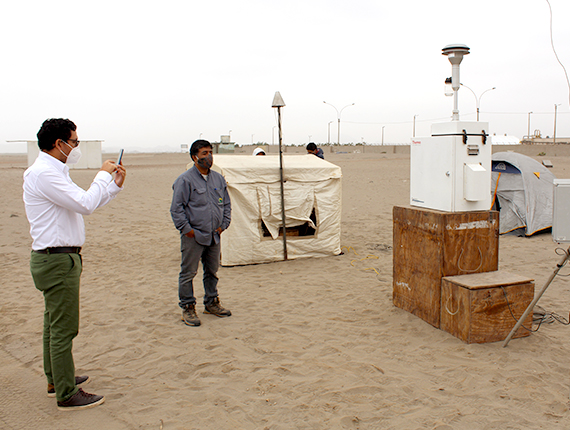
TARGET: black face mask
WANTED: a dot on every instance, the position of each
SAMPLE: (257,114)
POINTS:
(205,162)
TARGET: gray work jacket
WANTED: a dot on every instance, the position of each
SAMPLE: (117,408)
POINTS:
(200,205)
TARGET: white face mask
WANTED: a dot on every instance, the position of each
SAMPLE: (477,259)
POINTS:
(73,156)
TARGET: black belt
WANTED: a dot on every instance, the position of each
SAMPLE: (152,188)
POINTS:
(60,250)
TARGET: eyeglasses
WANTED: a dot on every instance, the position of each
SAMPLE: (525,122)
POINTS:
(75,142)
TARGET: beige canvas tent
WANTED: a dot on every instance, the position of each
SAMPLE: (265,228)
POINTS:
(312,191)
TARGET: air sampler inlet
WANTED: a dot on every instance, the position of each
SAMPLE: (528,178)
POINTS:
(455,54)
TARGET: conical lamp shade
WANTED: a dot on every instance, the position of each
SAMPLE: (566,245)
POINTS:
(277,100)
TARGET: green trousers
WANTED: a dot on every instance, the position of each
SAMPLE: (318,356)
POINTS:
(57,277)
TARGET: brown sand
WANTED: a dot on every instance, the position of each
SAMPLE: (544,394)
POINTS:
(312,343)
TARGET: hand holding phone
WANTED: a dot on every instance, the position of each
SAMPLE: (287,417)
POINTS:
(120,158)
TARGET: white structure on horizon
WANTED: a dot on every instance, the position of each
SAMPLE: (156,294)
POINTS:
(91,157)
(504,140)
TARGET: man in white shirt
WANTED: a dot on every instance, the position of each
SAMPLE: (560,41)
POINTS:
(54,207)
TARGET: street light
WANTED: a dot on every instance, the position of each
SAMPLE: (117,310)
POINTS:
(555,111)
(338,116)
(478,99)
(329,134)
(528,123)
(279,103)
(414,130)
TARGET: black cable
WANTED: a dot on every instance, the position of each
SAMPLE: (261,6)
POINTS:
(550,316)
(561,251)
(555,54)
(513,315)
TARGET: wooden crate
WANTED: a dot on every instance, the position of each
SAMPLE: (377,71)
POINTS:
(430,244)
(477,308)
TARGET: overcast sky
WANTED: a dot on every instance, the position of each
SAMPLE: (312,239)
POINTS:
(151,75)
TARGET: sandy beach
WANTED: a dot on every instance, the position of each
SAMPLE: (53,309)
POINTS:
(312,343)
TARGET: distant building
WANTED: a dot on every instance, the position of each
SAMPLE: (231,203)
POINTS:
(505,140)
(91,157)
(224,146)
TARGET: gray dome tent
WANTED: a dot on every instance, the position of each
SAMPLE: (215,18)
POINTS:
(523,192)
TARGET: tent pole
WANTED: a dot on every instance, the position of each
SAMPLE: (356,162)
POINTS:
(538,296)
(282,189)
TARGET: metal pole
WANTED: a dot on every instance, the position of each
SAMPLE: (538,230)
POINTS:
(528,122)
(338,116)
(555,110)
(478,99)
(537,298)
(282,189)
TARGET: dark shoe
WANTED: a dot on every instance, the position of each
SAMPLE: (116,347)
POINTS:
(189,316)
(215,308)
(78,381)
(80,400)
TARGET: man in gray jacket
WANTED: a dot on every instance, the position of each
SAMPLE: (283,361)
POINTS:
(201,210)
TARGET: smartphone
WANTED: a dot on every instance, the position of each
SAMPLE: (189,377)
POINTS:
(120,156)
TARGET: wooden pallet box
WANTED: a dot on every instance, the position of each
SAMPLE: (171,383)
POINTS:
(484,307)
(430,244)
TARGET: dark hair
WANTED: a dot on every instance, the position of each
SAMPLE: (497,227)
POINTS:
(197,145)
(311,146)
(53,129)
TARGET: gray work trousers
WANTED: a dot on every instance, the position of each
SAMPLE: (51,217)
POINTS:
(192,252)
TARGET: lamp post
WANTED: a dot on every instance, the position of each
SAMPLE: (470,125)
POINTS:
(528,126)
(338,116)
(478,99)
(329,132)
(383,134)
(278,103)
(555,111)
(414,130)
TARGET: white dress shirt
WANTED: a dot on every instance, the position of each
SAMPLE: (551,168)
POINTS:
(55,204)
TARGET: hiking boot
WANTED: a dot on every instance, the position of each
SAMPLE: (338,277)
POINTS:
(78,381)
(215,308)
(80,400)
(189,316)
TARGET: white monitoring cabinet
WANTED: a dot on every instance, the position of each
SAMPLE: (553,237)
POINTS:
(451,170)
(561,211)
